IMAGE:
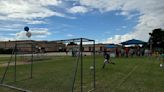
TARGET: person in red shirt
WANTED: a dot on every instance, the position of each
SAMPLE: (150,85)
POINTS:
(126,51)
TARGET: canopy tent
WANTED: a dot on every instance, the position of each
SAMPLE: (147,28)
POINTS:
(133,42)
(111,46)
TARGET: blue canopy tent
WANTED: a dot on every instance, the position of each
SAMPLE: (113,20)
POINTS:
(133,42)
(112,51)
(111,46)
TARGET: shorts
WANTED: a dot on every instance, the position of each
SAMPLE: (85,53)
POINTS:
(106,61)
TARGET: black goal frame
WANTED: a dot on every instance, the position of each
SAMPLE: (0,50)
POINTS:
(80,58)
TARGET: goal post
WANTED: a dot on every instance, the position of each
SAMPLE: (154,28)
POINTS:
(72,72)
(80,64)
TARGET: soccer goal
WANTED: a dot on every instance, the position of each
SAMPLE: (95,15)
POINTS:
(71,69)
(12,71)
(84,68)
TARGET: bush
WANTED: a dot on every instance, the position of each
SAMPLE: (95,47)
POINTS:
(5,51)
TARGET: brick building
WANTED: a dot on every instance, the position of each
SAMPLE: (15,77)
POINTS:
(50,46)
(26,45)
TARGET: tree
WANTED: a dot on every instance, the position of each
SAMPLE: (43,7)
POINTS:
(157,38)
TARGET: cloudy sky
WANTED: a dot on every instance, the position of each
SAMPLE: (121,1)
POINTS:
(107,21)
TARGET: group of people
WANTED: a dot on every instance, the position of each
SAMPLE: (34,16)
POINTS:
(132,52)
(107,59)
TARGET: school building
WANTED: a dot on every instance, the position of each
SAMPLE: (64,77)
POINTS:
(51,46)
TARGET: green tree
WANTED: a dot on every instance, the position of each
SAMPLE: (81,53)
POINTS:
(157,38)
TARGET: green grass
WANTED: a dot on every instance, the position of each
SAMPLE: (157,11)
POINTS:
(137,74)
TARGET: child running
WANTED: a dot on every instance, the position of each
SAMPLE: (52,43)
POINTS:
(107,59)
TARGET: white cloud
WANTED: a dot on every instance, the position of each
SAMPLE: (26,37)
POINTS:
(40,31)
(15,14)
(27,10)
(40,36)
(36,33)
(119,38)
(78,9)
(124,27)
(103,5)
(150,12)
(13,25)
(3,29)
(35,22)
(127,14)
(46,2)
(107,32)
(10,27)
(21,36)
(3,38)
(70,35)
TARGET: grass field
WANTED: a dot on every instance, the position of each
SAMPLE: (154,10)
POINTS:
(136,74)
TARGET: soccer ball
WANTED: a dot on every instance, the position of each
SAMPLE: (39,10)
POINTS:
(161,65)
(91,67)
